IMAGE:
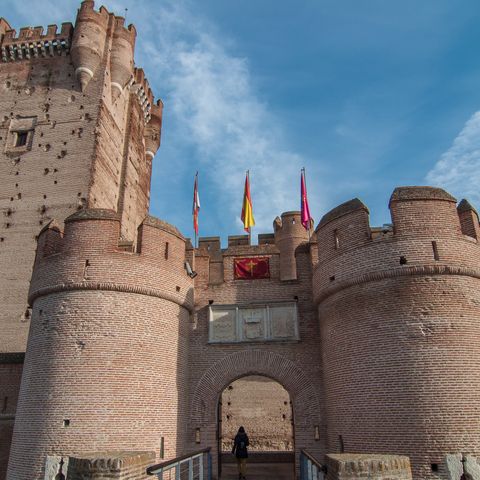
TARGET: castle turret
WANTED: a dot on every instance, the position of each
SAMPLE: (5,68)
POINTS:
(153,130)
(289,234)
(107,351)
(88,41)
(398,313)
(121,59)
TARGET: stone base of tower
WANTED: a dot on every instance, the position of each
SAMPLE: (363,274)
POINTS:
(99,466)
(351,466)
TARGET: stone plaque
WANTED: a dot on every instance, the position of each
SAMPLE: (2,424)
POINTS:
(223,325)
(283,321)
(253,323)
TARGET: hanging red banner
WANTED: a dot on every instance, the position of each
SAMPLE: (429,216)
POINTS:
(251,268)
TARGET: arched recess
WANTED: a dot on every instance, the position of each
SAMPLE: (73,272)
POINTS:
(304,396)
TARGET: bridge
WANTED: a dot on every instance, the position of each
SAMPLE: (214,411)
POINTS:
(198,466)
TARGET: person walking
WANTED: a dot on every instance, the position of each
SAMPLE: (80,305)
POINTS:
(240,450)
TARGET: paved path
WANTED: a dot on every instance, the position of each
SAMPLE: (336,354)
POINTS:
(259,471)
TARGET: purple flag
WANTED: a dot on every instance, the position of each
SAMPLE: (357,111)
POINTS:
(306,217)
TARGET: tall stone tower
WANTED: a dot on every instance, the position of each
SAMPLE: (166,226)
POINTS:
(78,129)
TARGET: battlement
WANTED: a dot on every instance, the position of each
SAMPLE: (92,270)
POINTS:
(32,42)
(128,33)
(288,240)
(88,255)
(427,232)
(141,88)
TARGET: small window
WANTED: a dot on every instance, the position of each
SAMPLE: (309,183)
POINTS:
(336,239)
(20,134)
(21,139)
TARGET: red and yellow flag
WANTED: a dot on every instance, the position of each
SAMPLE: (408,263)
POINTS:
(247,210)
(251,268)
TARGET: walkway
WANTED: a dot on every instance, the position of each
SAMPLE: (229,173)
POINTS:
(260,471)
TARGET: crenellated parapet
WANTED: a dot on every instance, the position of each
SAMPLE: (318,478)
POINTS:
(87,256)
(281,246)
(425,237)
(141,88)
(32,42)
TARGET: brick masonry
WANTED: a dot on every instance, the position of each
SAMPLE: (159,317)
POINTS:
(118,357)
(11,366)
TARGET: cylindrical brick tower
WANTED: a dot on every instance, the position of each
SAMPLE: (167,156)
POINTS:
(121,60)
(399,317)
(106,362)
(88,41)
(289,234)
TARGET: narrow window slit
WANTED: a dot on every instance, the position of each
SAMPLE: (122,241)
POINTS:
(336,239)
(436,256)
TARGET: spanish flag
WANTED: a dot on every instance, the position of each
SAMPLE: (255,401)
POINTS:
(247,210)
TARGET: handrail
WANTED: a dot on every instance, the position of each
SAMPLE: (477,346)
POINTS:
(158,466)
(312,458)
(310,467)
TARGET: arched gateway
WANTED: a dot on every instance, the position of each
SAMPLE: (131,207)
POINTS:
(306,405)
(291,375)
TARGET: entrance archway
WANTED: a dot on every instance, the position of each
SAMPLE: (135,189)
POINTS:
(303,395)
(263,407)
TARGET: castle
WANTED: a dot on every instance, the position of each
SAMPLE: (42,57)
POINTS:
(372,331)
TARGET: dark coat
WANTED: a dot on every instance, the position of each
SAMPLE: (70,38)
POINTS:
(240,445)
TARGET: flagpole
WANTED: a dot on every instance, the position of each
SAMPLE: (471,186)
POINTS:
(195,206)
(306,194)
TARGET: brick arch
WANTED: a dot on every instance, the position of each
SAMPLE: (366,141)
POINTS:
(304,397)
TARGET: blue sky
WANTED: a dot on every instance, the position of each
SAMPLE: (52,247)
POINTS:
(367,95)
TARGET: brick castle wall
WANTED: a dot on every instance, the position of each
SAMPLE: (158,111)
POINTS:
(11,366)
(119,356)
(398,317)
(106,363)
(89,142)
(294,364)
(85,145)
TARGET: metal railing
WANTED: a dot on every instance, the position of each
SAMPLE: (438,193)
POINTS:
(310,468)
(193,466)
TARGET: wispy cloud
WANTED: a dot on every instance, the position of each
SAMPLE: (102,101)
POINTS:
(458,169)
(214,110)
(214,116)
